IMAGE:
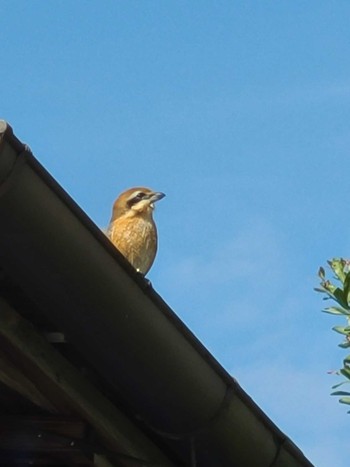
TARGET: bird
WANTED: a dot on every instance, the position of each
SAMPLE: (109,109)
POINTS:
(132,229)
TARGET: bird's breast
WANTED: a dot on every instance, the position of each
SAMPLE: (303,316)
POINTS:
(136,238)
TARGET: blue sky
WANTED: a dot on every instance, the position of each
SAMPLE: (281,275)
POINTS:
(239,112)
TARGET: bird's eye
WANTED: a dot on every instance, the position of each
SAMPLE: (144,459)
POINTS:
(135,199)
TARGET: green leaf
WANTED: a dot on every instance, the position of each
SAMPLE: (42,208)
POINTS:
(336,310)
(347,287)
(344,400)
(340,393)
(340,298)
(320,289)
(321,273)
(337,265)
(345,372)
(329,287)
(344,345)
(341,329)
(346,266)
(340,384)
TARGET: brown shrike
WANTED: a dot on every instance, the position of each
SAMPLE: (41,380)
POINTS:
(132,229)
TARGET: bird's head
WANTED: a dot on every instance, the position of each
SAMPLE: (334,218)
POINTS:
(138,200)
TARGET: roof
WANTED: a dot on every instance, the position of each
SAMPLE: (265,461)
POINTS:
(95,368)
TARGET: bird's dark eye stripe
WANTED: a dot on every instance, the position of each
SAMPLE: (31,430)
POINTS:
(136,198)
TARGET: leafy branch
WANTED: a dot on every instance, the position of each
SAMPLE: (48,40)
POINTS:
(339,292)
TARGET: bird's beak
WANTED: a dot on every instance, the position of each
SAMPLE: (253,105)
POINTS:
(156,197)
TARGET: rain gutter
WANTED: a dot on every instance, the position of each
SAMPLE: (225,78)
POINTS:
(167,379)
